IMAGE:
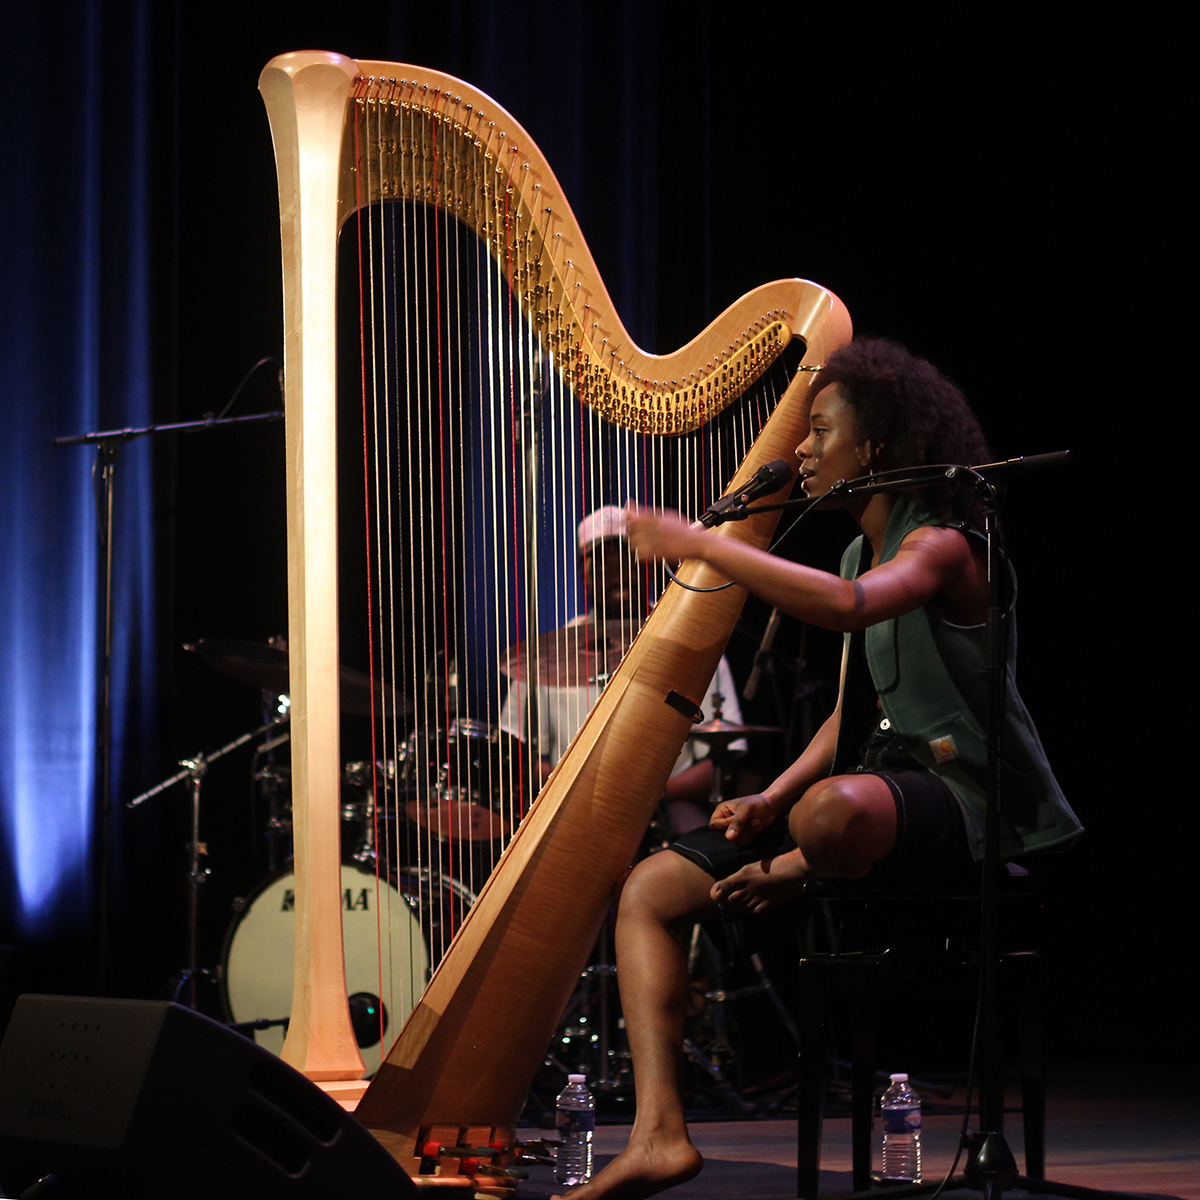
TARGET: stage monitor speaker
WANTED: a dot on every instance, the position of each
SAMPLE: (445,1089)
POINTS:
(137,1098)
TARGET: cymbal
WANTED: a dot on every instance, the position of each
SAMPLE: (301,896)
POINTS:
(266,667)
(721,732)
(572,656)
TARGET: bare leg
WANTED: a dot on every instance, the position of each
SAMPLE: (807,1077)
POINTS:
(842,825)
(663,897)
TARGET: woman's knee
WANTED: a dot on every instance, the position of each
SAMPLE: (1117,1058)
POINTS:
(665,886)
(844,824)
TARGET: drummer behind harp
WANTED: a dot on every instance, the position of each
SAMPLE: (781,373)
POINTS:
(617,605)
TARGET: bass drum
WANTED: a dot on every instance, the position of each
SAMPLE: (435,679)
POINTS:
(413,923)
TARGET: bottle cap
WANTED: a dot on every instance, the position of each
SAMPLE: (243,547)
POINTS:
(898,1078)
(583,1078)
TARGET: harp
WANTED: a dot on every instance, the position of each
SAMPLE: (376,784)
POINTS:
(353,138)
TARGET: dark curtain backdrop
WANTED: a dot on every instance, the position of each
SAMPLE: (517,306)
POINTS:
(947,175)
(86,329)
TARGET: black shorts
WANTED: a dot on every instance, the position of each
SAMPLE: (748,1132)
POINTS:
(931,838)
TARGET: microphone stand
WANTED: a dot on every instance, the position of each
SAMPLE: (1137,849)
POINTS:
(991,1168)
(107,443)
(194,770)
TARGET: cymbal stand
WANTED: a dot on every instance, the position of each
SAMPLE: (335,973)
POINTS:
(720,755)
(272,785)
(702,945)
(715,998)
(587,1020)
(194,770)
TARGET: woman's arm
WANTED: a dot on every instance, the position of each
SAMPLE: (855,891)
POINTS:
(930,561)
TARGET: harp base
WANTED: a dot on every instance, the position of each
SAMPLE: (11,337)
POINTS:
(347,1092)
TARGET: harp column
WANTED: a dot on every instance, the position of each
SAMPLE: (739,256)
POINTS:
(305,94)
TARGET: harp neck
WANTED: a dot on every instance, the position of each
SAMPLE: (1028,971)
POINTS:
(399,132)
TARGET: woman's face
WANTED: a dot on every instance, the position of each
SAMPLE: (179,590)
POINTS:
(833,449)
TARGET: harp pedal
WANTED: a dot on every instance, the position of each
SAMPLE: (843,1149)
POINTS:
(458,1158)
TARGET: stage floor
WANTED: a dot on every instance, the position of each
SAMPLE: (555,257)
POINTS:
(1120,1128)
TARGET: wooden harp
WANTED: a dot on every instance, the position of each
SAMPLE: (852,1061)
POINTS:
(349,135)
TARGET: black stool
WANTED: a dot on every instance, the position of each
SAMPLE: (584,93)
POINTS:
(924,943)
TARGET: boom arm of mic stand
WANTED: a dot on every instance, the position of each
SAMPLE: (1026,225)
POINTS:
(904,479)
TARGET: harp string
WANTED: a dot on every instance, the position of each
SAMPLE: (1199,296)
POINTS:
(385,963)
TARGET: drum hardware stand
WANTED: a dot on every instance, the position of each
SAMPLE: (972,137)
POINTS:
(592,1001)
(194,770)
(716,998)
(379,791)
(723,1089)
(605,976)
(719,753)
(278,826)
(366,853)
(714,1016)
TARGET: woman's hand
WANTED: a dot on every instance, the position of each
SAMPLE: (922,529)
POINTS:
(662,534)
(742,819)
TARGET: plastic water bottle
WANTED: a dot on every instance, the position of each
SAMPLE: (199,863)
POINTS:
(575,1122)
(901,1133)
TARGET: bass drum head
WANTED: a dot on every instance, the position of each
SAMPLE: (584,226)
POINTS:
(259,957)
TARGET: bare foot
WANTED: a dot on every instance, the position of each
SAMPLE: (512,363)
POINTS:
(759,886)
(644,1168)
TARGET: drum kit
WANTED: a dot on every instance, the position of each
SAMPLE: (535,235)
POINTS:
(442,805)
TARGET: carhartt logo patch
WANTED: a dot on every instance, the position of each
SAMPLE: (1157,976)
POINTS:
(944,749)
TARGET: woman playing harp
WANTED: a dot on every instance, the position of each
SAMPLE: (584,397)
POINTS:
(900,796)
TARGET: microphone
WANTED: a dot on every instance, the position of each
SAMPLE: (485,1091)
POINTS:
(1027,462)
(767,479)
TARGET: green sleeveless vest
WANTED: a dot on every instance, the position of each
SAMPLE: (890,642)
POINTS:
(927,675)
